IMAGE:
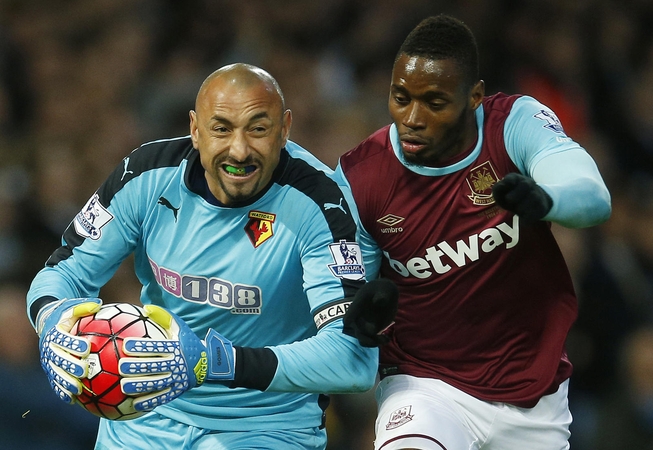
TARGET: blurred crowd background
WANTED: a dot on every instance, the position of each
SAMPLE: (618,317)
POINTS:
(83,82)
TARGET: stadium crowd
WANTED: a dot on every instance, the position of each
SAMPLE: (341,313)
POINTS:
(83,82)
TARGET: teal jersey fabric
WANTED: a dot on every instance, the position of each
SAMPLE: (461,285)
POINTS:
(269,273)
(138,434)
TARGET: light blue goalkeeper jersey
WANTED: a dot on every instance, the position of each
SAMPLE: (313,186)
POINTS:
(276,272)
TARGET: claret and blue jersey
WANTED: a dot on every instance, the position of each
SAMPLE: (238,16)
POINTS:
(477,308)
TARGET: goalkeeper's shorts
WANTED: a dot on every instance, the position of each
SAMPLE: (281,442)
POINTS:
(153,431)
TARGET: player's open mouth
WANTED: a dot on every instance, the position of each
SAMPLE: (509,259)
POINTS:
(238,171)
(412,145)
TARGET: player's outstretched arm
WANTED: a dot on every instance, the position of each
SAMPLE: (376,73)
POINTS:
(555,174)
(61,352)
(521,195)
(566,188)
(158,371)
(574,183)
(342,357)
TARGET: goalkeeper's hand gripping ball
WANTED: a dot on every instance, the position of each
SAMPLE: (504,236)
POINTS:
(62,353)
(106,331)
(160,370)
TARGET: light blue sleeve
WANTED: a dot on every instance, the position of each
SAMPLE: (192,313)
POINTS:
(537,144)
(330,361)
(107,241)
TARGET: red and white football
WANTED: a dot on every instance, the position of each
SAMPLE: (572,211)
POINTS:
(106,330)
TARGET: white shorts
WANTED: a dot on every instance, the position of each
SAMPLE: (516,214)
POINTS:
(428,414)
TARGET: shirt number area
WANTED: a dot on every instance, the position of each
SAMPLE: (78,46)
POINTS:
(239,298)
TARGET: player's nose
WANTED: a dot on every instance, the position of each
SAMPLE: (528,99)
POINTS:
(413,116)
(239,147)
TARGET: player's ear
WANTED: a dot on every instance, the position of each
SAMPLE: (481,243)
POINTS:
(193,128)
(286,124)
(476,94)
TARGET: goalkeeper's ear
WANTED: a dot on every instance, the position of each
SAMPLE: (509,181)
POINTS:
(371,312)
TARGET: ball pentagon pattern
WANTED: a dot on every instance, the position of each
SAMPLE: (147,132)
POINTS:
(106,330)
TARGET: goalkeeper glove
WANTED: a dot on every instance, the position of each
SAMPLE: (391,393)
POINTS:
(521,195)
(371,312)
(158,371)
(61,352)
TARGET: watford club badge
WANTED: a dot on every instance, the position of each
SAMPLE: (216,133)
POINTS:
(480,181)
(259,227)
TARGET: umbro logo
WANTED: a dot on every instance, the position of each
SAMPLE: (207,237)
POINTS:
(391,221)
(165,202)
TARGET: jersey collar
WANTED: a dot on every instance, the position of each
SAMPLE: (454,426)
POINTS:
(196,181)
(439,171)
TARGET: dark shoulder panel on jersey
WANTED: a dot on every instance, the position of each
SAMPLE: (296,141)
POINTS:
(326,194)
(149,156)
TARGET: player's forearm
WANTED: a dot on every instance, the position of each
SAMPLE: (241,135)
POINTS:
(330,362)
(49,285)
(572,180)
(580,204)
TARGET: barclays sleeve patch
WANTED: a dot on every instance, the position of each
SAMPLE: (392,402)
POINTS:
(347,264)
(90,220)
(551,121)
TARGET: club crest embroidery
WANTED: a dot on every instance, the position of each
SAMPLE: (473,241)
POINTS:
(480,181)
(347,261)
(259,227)
(399,417)
(90,220)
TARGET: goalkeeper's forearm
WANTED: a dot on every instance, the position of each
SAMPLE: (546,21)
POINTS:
(330,362)
(36,307)
(255,368)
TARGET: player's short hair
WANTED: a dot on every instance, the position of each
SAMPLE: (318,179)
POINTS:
(444,37)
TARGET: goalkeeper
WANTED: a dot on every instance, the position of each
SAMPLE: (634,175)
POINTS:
(236,241)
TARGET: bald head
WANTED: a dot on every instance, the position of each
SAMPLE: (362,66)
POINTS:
(239,127)
(243,76)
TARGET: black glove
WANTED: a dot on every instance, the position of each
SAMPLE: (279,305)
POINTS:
(521,195)
(372,311)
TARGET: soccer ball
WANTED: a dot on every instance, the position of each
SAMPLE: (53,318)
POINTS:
(106,330)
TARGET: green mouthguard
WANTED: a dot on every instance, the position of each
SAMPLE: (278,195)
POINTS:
(235,170)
